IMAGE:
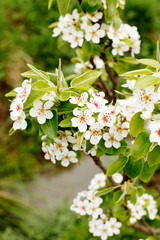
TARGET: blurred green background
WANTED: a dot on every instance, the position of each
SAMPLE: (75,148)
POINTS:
(26,38)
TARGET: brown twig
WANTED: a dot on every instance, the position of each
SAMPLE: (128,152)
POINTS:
(101,84)
(104,170)
(114,78)
(147,230)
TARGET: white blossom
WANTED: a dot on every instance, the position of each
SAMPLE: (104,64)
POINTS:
(94,33)
(20,122)
(82,119)
(95,17)
(23,91)
(94,133)
(41,111)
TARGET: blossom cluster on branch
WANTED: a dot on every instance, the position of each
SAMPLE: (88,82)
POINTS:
(92,112)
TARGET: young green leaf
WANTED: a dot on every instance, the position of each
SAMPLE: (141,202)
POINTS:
(133,168)
(105,191)
(86,6)
(11,94)
(146,81)
(66,123)
(136,124)
(85,79)
(120,213)
(92,3)
(50,3)
(117,165)
(11,131)
(33,74)
(154,156)
(43,86)
(34,95)
(63,6)
(137,72)
(147,172)
(150,62)
(41,74)
(118,197)
(141,146)
(50,127)
(111,10)
(79,139)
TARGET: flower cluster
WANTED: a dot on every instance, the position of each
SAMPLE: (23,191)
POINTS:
(97,120)
(17,114)
(60,149)
(145,205)
(123,39)
(86,203)
(145,101)
(77,28)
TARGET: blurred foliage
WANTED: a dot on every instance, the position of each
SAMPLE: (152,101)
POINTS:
(145,14)
(26,38)
(60,225)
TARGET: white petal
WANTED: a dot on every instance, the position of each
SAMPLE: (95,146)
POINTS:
(37,104)
(48,114)
(41,119)
(48,105)
(65,163)
(33,112)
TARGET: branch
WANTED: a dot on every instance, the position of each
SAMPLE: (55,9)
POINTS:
(104,170)
(101,84)
(114,78)
(146,229)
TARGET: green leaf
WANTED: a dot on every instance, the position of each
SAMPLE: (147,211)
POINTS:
(92,3)
(11,94)
(11,131)
(147,172)
(105,191)
(140,190)
(63,6)
(88,8)
(50,127)
(118,197)
(41,74)
(137,124)
(66,123)
(50,3)
(79,139)
(61,81)
(117,22)
(120,213)
(89,146)
(34,95)
(35,75)
(146,81)
(85,79)
(111,10)
(137,72)
(154,156)
(133,168)
(99,152)
(43,86)
(128,60)
(117,165)
(66,107)
(113,151)
(149,62)
(141,146)
(29,126)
